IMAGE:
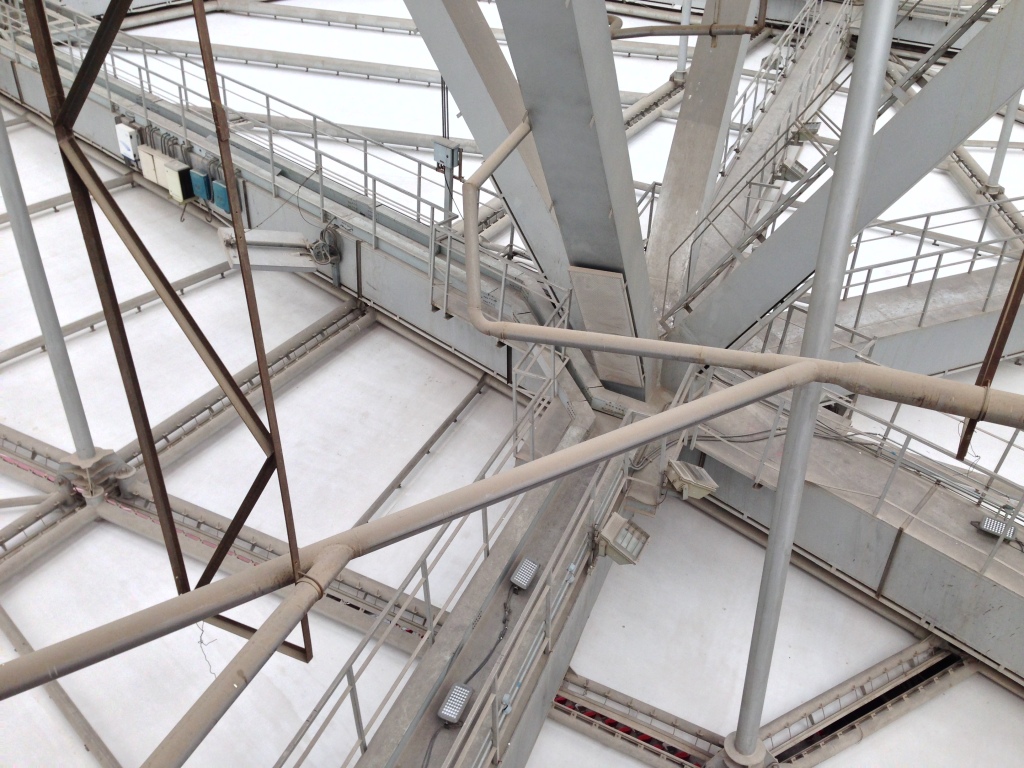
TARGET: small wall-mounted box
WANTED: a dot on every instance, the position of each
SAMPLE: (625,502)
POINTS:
(128,142)
(178,180)
(220,196)
(201,184)
(151,163)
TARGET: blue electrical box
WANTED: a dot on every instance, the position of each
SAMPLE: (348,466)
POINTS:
(201,184)
(220,196)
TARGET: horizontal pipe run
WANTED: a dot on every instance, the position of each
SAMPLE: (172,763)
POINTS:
(714,30)
(202,716)
(123,634)
(985,404)
(33,549)
(21,501)
(34,515)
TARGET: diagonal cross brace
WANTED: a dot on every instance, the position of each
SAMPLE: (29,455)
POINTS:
(50,74)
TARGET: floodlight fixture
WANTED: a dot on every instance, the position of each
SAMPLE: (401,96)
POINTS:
(622,540)
(995,527)
(524,573)
(691,481)
(455,702)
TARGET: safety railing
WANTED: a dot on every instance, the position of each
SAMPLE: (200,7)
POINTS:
(751,105)
(485,728)
(747,211)
(938,245)
(908,453)
(343,688)
(297,145)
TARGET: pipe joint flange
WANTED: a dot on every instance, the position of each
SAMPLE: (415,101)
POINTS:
(307,579)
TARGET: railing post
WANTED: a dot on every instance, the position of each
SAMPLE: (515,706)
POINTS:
(768,443)
(495,711)
(373,203)
(999,466)
(853,265)
(357,715)
(981,238)
(888,428)
(426,600)
(931,287)
(920,247)
(270,148)
(995,275)
(892,475)
(366,169)
(1010,519)
(486,532)
(863,296)
(447,266)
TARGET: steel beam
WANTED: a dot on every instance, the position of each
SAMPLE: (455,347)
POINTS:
(163,618)
(54,203)
(42,300)
(220,120)
(695,157)
(38,511)
(486,91)
(91,740)
(93,62)
(563,60)
(97,318)
(50,74)
(910,145)
(197,723)
(84,170)
(424,449)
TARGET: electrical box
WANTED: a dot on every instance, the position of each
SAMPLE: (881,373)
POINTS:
(220,196)
(447,153)
(128,142)
(151,163)
(178,180)
(201,184)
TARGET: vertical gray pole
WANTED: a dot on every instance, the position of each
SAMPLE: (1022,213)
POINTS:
(1004,139)
(873,45)
(24,237)
(684,40)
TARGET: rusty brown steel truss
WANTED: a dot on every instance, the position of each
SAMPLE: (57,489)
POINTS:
(86,186)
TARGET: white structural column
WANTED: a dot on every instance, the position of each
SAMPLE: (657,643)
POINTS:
(910,145)
(562,55)
(484,87)
(42,299)
(744,748)
(696,154)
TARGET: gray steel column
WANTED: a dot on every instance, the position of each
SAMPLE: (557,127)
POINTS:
(844,197)
(1004,139)
(42,299)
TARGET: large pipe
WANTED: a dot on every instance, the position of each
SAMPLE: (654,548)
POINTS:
(42,299)
(202,716)
(871,380)
(837,232)
(714,30)
(123,634)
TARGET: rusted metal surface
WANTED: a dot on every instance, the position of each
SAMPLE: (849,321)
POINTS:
(54,89)
(994,354)
(230,180)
